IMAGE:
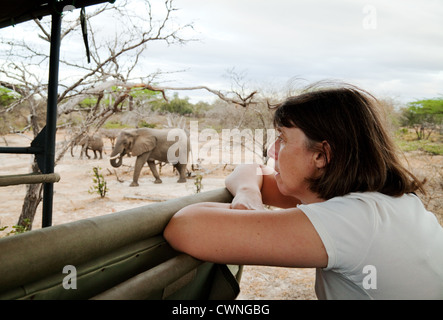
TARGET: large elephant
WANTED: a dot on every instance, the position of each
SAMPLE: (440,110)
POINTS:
(149,145)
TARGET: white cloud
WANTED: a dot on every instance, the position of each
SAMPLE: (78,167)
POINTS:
(323,39)
(274,41)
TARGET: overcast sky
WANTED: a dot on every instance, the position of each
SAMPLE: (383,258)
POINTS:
(392,48)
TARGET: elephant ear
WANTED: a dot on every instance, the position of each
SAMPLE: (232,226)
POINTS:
(143,144)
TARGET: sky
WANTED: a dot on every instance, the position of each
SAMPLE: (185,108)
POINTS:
(392,48)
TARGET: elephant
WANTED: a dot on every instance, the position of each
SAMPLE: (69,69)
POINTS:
(149,145)
(92,142)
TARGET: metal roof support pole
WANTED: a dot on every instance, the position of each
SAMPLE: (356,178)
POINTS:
(51,118)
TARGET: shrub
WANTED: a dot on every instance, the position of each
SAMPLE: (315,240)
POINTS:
(100,185)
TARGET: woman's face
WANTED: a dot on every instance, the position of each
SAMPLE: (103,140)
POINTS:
(294,163)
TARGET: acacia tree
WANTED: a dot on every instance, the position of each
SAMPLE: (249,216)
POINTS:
(111,67)
(424,115)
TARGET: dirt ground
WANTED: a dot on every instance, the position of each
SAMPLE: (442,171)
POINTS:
(73,201)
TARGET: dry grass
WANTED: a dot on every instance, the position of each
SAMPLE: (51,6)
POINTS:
(430,168)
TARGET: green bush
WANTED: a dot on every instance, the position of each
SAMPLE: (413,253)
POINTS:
(176,105)
(114,125)
(424,116)
(100,185)
(7,96)
(406,142)
(17,229)
(144,124)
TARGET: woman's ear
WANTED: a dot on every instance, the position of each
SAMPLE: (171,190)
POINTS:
(323,156)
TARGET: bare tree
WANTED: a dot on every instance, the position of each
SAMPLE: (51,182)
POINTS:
(254,109)
(111,66)
(110,72)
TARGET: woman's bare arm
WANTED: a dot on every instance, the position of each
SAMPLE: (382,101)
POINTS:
(217,233)
(226,233)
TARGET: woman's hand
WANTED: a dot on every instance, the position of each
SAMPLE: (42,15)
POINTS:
(248,199)
(254,185)
(245,183)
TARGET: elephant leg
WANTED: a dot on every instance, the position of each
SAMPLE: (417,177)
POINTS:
(138,168)
(95,154)
(181,168)
(154,171)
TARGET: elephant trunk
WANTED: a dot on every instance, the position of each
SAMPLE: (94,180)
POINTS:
(116,161)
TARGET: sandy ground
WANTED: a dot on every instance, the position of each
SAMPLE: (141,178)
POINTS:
(73,201)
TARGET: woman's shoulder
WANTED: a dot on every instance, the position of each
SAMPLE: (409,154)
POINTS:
(371,199)
(365,208)
(382,203)
(374,210)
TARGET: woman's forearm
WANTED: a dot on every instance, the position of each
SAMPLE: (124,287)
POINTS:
(243,178)
(253,185)
(245,183)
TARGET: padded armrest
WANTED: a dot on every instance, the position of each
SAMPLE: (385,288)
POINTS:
(32,261)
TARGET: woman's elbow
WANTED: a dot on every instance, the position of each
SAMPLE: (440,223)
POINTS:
(172,234)
(191,229)
(176,232)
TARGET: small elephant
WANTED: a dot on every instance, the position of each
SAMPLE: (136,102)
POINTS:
(88,142)
(149,145)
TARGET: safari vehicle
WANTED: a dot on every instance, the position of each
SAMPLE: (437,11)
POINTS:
(115,256)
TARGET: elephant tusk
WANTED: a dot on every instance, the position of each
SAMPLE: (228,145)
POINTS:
(115,157)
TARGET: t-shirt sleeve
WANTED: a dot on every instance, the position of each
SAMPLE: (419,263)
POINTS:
(346,228)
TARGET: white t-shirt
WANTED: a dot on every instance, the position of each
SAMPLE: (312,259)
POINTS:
(379,247)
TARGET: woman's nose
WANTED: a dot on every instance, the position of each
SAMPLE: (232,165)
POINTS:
(272,153)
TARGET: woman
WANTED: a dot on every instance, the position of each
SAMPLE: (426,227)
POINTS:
(348,206)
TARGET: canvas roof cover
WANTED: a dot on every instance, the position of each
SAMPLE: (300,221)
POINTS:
(16,11)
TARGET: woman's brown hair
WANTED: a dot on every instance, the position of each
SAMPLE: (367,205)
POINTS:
(363,156)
